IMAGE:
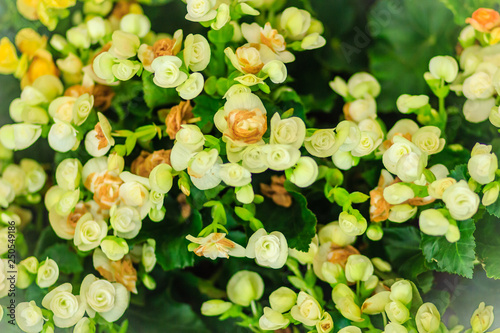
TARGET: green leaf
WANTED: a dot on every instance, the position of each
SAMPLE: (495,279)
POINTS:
(457,258)
(205,107)
(297,222)
(494,208)
(67,260)
(459,173)
(155,96)
(221,36)
(130,143)
(407,34)
(358,197)
(488,245)
(463,9)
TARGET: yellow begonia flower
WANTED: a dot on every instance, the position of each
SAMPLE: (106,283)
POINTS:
(42,64)
(8,57)
(60,4)
(28,8)
(28,41)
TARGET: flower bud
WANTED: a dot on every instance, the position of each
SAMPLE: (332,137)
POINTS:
(482,318)
(114,248)
(453,234)
(325,325)
(363,83)
(428,318)
(402,213)
(19,136)
(406,103)
(351,225)
(222,18)
(478,110)
(66,202)
(79,37)
(350,329)
(48,273)
(332,273)
(333,233)
(148,255)
(16,176)
(136,24)
(245,194)
(349,309)
(245,287)
(339,86)
(397,312)
(29,317)
(295,22)
(374,232)
(467,36)
(124,45)
(433,222)
(103,66)
(381,265)
(395,328)
(490,195)
(358,268)
(116,163)
(376,304)
(96,28)
(272,320)
(276,70)
(305,257)
(282,299)
(215,307)
(84,325)
(307,311)
(305,172)
(31,264)
(402,291)
(192,87)
(161,179)
(200,10)
(444,67)
(313,41)
(68,174)
(478,86)
(62,136)
(24,278)
(482,164)
(398,193)
(344,160)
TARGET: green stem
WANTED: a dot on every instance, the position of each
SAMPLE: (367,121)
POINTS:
(254,309)
(442,114)
(358,289)
(384,317)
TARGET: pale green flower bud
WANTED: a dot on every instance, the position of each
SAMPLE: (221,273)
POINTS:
(29,317)
(103,66)
(124,69)
(398,193)
(351,225)
(432,222)
(341,291)
(407,102)
(49,85)
(397,312)
(428,318)
(32,96)
(444,67)
(167,72)
(374,232)
(282,299)
(295,22)
(305,257)
(395,328)
(84,325)
(222,18)
(16,176)
(58,42)
(313,41)
(19,136)
(402,291)
(376,304)
(307,311)
(332,232)
(349,309)
(124,45)
(68,174)
(339,86)
(350,329)
(332,273)
(276,70)
(149,282)
(325,325)
(114,248)
(358,268)
(269,250)
(136,24)
(371,284)
(490,195)
(79,37)
(482,318)
(192,87)
(494,115)
(196,52)
(34,115)
(72,67)
(116,163)
(245,194)
(215,307)
(402,213)
(381,265)
(24,278)
(245,287)
(272,320)
(161,179)
(363,83)
(236,89)
(467,36)
(148,255)
(453,234)
(48,273)
(304,173)
(96,28)
(31,264)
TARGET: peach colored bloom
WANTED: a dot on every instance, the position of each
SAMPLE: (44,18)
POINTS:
(339,255)
(276,191)
(121,271)
(247,126)
(164,46)
(484,19)
(249,59)
(178,115)
(105,187)
(146,162)
(271,38)
(216,245)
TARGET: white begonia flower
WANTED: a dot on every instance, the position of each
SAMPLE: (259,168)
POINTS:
(84,325)
(478,86)
(216,245)
(192,87)
(305,172)
(401,291)
(114,248)
(202,163)
(245,287)
(428,139)
(66,202)
(482,318)
(166,71)
(358,268)
(62,136)
(161,178)
(222,18)
(376,303)
(191,137)
(308,310)
(361,109)
(236,89)
(313,41)
(201,10)
(478,110)
(344,160)
(404,159)
(282,299)
(269,250)
(47,274)
(369,141)
(280,157)
(276,70)
(350,329)
(81,108)
(124,45)
(395,328)
(124,69)
(398,193)
(437,187)
(35,175)
(406,102)
(148,258)
(332,232)
(96,28)
(289,131)
(254,159)
(322,143)
(361,84)
(215,307)
(108,299)
(16,176)
(351,225)
(397,312)
(483,164)
(133,194)
(29,317)
(439,170)
(339,86)
(102,67)
(433,222)
(295,22)
(461,201)
(89,232)
(401,127)
(68,309)
(79,36)
(69,174)
(137,24)
(49,85)
(196,52)
(402,213)
(348,135)
(428,319)
(272,320)
(19,136)
(125,220)
(444,67)
(494,116)
(235,175)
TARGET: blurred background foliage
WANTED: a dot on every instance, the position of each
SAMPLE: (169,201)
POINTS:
(392,39)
